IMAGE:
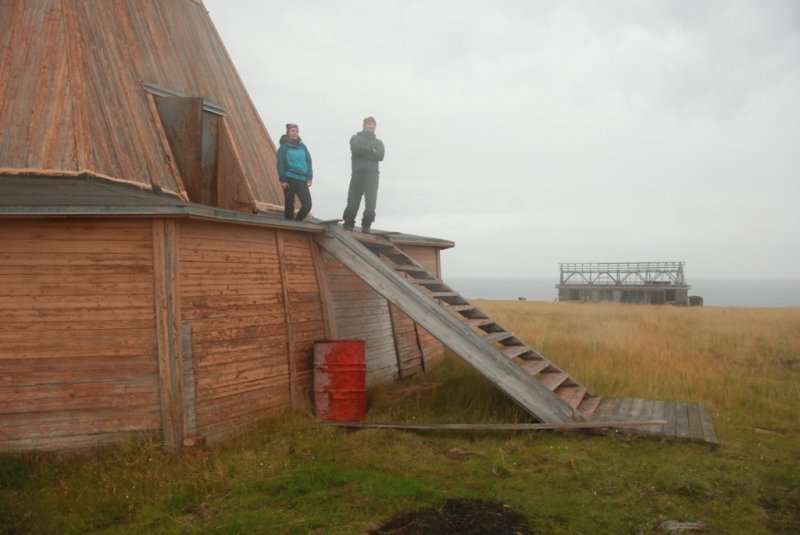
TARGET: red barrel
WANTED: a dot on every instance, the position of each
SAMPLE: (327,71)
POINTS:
(340,372)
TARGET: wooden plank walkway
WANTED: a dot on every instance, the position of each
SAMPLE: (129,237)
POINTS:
(685,421)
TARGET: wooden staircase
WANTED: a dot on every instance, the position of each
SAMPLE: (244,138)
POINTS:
(545,391)
(516,351)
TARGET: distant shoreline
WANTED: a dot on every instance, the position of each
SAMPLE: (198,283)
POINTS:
(750,293)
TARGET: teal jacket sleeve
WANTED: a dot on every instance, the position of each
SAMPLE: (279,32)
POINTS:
(310,168)
(281,157)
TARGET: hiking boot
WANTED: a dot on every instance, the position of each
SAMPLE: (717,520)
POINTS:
(348,226)
(365,229)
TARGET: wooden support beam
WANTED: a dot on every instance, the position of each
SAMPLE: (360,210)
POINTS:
(168,329)
(328,312)
(287,310)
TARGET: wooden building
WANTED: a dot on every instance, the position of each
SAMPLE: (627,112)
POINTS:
(148,280)
(653,283)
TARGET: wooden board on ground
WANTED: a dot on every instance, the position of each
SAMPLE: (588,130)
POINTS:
(501,427)
(682,421)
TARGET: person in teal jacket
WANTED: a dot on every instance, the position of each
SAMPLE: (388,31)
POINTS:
(295,173)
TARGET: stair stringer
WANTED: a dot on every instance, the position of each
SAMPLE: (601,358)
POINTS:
(526,391)
(515,349)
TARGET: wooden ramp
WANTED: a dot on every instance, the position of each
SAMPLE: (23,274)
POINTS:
(544,390)
(684,421)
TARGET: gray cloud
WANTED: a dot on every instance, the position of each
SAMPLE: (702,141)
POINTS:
(543,132)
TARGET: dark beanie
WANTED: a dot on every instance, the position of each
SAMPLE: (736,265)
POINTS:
(370,119)
(290,126)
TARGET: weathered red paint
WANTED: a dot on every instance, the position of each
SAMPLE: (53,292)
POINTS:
(340,380)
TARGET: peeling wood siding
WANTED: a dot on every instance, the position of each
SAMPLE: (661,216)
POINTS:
(362,314)
(72,97)
(78,347)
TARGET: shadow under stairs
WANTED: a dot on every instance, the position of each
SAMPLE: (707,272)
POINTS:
(543,389)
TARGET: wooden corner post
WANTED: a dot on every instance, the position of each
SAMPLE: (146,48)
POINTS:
(168,329)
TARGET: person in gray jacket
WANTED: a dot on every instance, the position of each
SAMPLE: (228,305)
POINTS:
(366,151)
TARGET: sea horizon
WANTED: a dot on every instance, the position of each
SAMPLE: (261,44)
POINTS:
(755,293)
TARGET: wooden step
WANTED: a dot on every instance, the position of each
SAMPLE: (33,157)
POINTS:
(444,295)
(475,314)
(552,380)
(589,405)
(478,322)
(431,282)
(451,300)
(461,308)
(396,260)
(380,246)
(408,268)
(423,275)
(432,287)
(498,336)
(514,351)
(572,395)
(532,367)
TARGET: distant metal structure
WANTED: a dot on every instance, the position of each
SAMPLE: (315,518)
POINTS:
(654,283)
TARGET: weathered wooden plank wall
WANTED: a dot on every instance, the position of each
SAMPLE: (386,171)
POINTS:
(233,307)
(396,346)
(306,321)
(110,327)
(362,314)
(73,97)
(407,343)
(77,333)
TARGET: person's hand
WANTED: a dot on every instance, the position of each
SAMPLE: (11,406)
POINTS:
(284,185)
(309,183)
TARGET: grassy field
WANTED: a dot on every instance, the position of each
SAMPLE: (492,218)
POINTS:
(293,475)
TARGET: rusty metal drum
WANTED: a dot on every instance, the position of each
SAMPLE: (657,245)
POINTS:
(340,380)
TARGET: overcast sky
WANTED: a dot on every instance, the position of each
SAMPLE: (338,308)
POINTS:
(534,133)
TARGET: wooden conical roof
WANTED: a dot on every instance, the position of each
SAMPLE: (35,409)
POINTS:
(78,85)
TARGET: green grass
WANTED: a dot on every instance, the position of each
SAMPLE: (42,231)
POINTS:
(293,475)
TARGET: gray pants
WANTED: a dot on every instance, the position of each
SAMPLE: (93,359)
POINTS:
(366,186)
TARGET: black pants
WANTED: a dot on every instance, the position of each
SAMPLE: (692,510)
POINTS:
(366,186)
(299,188)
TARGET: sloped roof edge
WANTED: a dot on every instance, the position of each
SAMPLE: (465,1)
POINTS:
(24,195)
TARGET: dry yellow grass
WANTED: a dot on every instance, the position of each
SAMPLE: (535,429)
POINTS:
(730,359)
(293,475)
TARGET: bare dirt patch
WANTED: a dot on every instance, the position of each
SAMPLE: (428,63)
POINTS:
(462,516)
